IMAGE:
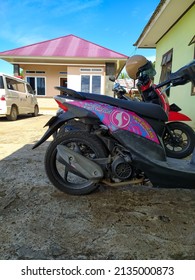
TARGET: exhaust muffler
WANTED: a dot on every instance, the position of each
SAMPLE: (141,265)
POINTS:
(78,164)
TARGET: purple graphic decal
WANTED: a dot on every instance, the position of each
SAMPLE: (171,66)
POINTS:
(115,118)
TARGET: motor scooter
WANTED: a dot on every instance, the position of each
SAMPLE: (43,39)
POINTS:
(178,137)
(122,143)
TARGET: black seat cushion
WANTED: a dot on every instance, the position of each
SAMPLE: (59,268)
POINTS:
(153,111)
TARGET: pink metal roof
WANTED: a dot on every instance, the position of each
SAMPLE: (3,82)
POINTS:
(66,46)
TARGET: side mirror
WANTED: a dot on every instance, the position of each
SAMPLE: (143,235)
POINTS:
(112,78)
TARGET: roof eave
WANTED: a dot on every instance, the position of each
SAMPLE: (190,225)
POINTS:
(161,21)
(150,24)
(53,58)
(69,61)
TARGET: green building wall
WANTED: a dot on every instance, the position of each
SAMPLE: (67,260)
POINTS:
(178,38)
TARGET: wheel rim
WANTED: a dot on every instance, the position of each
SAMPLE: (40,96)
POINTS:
(61,172)
(14,113)
(36,111)
(179,142)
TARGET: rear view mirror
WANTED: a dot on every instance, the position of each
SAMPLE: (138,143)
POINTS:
(112,78)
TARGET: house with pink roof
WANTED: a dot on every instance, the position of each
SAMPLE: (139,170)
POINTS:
(67,61)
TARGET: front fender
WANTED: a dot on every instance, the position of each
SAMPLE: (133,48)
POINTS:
(54,123)
(177,116)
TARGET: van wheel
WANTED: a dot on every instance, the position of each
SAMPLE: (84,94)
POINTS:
(36,111)
(13,114)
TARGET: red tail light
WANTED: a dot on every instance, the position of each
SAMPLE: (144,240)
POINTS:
(62,106)
(2,98)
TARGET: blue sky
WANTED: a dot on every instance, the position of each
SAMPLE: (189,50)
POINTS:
(112,24)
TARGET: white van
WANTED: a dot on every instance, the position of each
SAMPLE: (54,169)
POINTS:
(16,97)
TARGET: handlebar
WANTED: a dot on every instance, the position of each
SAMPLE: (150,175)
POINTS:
(182,76)
(173,82)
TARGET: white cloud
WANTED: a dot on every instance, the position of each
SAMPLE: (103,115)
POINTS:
(151,58)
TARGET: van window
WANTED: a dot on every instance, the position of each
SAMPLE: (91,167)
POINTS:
(21,87)
(29,89)
(1,82)
(15,85)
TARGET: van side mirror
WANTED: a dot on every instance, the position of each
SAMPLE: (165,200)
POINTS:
(112,78)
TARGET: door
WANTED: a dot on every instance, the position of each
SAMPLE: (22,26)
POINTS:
(23,97)
(16,94)
(63,83)
(30,98)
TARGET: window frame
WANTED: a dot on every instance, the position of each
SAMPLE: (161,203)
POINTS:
(15,85)
(91,82)
(166,67)
(37,77)
(193,87)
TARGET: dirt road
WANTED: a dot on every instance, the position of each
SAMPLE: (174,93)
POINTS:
(39,222)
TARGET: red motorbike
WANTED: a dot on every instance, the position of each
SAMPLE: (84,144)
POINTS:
(178,137)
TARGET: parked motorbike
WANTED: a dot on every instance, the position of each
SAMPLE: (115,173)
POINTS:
(178,137)
(120,145)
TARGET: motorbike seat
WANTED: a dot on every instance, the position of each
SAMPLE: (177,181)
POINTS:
(149,110)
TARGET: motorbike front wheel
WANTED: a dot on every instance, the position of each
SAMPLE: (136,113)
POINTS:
(83,143)
(178,140)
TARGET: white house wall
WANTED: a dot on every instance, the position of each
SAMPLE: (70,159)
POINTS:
(74,76)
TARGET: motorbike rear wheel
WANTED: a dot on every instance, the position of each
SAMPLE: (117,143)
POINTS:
(83,143)
(178,140)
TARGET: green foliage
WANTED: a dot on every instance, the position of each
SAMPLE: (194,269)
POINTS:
(123,75)
(22,72)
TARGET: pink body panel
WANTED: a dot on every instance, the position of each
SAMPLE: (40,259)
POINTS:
(115,118)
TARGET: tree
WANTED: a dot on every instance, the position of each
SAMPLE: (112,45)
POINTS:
(123,75)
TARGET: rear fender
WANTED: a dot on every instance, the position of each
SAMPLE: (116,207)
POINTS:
(54,123)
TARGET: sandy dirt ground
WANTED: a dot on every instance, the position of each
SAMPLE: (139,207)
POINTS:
(39,222)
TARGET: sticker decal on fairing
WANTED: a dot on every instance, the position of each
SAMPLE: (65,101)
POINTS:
(119,119)
(115,118)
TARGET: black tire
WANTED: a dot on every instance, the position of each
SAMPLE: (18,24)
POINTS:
(71,125)
(36,111)
(88,145)
(182,144)
(13,114)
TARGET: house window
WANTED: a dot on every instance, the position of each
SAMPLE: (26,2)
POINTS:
(85,83)
(90,69)
(166,67)
(37,84)
(32,72)
(91,83)
(63,73)
(193,42)
(85,69)
(96,84)
(40,72)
